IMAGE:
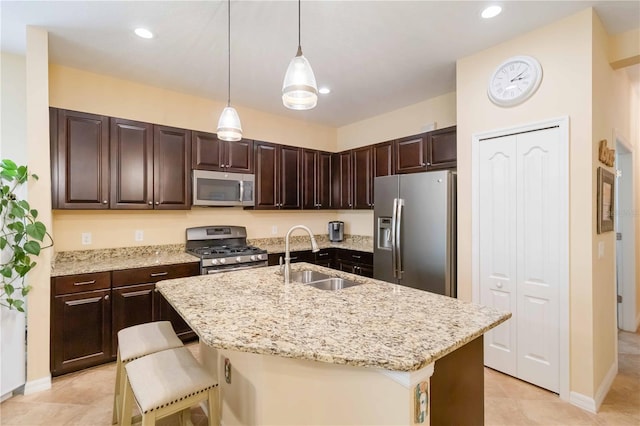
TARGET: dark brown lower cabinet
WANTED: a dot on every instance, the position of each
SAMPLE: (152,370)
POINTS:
(131,305)
(352,261)
(165,312)
(80,322)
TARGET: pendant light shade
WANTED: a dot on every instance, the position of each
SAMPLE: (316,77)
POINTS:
(299,90)
(229,127)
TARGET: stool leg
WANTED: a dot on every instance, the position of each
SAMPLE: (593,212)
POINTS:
(117,392)
(213,402)
(149,419)
(127,403)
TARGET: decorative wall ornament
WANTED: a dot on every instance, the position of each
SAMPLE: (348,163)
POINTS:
(605,155)
(420,403)
(606,202)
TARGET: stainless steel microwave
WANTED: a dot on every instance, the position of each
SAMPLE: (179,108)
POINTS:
(222,189)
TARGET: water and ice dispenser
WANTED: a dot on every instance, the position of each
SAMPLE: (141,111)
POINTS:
(384,233)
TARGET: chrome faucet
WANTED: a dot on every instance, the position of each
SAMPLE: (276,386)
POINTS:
(287,255)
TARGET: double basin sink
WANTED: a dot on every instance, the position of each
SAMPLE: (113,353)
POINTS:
(320,280)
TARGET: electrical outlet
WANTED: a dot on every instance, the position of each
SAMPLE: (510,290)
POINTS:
(139,235)
(86,238)
(274,229)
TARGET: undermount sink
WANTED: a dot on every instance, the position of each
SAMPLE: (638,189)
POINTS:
(320,280)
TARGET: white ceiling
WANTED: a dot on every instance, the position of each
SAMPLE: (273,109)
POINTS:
(376,56)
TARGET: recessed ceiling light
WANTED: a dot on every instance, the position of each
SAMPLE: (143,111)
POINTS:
(143,32)
(324,90)
(491,11)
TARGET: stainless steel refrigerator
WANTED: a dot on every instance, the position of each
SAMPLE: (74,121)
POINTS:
(415,231)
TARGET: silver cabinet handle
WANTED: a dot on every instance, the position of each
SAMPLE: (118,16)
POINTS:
(323,254)
(423,164)
(394,226)
(104,201)
(241,190)
(157,203)
(106,297)
(85,282)
(355,256)
(150,203)
(159,274)
(428,164)
(399,237)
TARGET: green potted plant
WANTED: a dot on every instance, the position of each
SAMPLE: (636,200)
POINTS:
(22,236)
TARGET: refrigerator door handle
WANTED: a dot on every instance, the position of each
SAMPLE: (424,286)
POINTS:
(399,238)
(394,219)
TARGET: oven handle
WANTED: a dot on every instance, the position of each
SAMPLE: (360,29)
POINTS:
(241,191)
(217,271)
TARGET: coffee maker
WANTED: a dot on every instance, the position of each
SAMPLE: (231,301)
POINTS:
(336,231)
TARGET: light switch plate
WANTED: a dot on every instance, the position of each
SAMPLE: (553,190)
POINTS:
(139,235)
(274,229)
(600,249)
(86,238)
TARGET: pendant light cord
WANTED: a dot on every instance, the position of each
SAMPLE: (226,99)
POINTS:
(229,52)
(299,44)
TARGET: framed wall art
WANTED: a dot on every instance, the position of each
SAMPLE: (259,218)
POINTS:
(606,192)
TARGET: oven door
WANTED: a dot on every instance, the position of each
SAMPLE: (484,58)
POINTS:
(222,189)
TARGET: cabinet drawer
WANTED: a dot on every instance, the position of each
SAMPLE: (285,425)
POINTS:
(154,274)
(356,256)
(82,282)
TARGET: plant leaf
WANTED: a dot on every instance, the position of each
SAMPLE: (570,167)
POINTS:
(32,247)
(3,243)
(34,213)
(9,289)
(18,305)
(8,164)
(6,272)
(37,230)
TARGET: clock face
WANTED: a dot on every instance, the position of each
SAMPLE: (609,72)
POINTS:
(514,80)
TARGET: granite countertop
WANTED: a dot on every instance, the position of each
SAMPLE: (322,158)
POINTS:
(377,324)
(89,261)
(302,242)
(113,259)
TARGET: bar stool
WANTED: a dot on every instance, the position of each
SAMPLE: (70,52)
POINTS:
(137,341)
(165,383)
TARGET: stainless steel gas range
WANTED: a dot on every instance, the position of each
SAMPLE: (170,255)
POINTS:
(223,249)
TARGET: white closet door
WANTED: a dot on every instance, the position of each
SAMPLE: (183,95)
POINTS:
(538,254)
(497,234)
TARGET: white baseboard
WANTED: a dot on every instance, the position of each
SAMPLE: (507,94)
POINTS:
(592,405)
(38,385)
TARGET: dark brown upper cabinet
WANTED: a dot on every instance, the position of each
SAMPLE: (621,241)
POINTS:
(383,156)
(341,180)
(80,153)
(411,155)
(363,177)
(171,168)
(316,179)
(131,164)
(441,149)
(278,174)
(210,153)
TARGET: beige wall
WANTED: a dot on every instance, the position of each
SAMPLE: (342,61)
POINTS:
(38,303)
(624,49)
(84,91)
(402,122)
(565,90)
(635,132)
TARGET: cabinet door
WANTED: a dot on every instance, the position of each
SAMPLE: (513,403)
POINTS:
(309,173)
(323,180)
(362,178)
(206,151)
(131,145)
(441,149)
(410,155)
(383,159)
(266,175)
(131,305)
(165,312)
(239,156)
(82,156)
(80,331)
(341,180)
(172,168)
(290,177)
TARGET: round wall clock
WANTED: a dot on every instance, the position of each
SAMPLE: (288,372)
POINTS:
(514,81)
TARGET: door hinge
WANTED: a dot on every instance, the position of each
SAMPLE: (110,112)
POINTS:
(619,236)
(619,299)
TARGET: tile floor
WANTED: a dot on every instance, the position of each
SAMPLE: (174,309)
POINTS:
(85,398)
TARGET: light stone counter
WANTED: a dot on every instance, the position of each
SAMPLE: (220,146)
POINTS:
(89,261)
(376,324)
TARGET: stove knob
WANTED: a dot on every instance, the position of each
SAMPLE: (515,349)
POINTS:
(262,256)
(238,259)
(214,261)
(223,261)
(253,257)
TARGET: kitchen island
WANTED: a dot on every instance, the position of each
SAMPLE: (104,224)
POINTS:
(376,353)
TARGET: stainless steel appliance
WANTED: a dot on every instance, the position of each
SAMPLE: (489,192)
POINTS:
(336,231)
(415,231)
(222,189)
(223,249)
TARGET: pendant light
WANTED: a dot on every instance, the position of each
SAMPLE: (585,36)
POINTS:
(229,127)
(299,90)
